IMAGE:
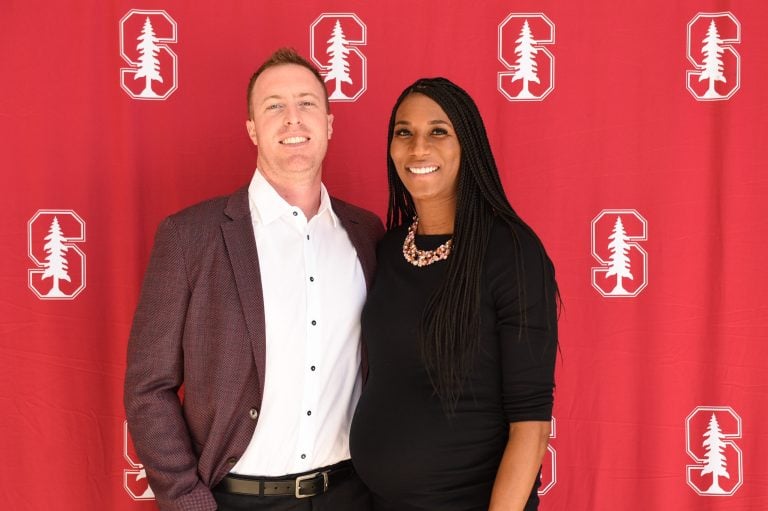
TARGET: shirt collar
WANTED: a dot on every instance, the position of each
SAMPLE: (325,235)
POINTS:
(267,205)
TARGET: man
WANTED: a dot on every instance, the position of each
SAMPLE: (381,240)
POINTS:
(252,302)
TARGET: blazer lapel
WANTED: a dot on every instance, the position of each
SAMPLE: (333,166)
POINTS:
(241,247)
(363,240)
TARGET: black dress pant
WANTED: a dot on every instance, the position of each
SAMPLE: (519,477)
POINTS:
(348,495)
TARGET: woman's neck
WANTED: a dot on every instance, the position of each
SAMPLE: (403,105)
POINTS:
(436,218)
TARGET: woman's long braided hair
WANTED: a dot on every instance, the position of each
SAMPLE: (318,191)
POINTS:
(450,325)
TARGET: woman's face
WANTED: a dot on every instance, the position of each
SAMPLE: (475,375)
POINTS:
(425,150)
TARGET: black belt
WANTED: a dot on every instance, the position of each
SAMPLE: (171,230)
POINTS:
(300,486)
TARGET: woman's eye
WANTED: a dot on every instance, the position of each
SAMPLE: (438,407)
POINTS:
(402,132)
(439,131)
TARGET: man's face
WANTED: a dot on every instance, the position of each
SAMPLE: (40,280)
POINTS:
(291,125)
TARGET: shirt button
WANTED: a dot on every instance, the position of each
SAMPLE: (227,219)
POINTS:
(307,236)
(295,213)
(309,412)
(312,368)
(311,279)
(254,413)
(314,322)
(303,456)
(232,460)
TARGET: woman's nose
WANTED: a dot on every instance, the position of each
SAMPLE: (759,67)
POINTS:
(419,145)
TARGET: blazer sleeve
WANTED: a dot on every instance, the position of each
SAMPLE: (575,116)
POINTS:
(155,374)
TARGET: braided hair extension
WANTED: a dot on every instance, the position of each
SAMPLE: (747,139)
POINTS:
(450,324)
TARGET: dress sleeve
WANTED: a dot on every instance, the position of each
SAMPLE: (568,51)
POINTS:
(522,285)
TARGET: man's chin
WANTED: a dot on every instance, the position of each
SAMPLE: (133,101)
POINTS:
(295,167)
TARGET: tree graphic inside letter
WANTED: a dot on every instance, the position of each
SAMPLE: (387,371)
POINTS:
(526,61)
(715,459)
(149,65)
(713,65)
(55,264)
(619,261)
(338,62)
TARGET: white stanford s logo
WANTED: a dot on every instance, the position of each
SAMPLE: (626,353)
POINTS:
(522,49)
(623,270)
(334,41)
(53,236)
(145,39)
(710,432)
(549,463)
(710,40)
(134,478)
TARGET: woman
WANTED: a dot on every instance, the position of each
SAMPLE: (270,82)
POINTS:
(460,324)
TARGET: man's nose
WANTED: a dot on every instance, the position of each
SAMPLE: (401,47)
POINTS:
(292,116)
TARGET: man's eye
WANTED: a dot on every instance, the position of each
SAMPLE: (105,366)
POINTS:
(306,103)
(275,106)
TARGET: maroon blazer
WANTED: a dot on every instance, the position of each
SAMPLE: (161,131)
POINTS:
(200,323)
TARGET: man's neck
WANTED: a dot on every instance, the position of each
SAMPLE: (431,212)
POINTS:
(303,194)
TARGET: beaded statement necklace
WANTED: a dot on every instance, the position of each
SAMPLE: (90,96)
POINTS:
(423,257)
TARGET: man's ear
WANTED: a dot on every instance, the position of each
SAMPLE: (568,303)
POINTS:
(330,126)
(250,126)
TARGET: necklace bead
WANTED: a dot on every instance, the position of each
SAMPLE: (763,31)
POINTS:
(423,257)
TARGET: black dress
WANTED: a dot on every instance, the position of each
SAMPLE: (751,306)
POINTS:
(406,449)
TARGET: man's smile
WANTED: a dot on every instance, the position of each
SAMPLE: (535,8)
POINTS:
(294,140)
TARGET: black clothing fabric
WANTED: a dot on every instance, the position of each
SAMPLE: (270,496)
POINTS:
(410,454)
(349,495)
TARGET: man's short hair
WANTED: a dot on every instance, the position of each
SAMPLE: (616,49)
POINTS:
(278,58)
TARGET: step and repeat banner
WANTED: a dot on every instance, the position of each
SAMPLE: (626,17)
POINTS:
(633,137)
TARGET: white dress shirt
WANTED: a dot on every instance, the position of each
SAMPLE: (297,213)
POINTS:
(314,290)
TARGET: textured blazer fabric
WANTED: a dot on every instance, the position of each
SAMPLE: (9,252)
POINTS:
(200,323)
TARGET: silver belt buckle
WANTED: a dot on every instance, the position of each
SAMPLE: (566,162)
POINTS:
(299,479)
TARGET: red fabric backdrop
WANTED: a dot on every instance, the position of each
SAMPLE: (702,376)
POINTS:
(630,173)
